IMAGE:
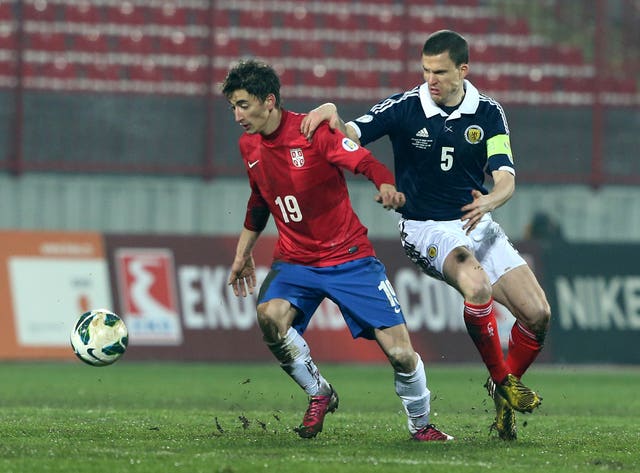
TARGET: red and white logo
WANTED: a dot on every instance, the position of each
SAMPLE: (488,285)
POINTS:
(148,302)
(297,157)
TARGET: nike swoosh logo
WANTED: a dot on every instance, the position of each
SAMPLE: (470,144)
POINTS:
(253,163)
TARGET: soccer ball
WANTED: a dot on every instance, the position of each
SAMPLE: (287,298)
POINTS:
(99,338)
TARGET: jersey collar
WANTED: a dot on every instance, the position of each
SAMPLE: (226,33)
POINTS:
(469,104)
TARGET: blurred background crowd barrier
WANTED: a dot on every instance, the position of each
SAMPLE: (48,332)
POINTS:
(132,86)
(101,101)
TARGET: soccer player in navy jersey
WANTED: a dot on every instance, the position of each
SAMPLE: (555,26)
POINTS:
(445,136)
(322,249)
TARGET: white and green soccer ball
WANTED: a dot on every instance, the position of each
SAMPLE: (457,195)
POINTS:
(99,337)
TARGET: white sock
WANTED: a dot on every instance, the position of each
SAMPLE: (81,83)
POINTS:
(295,359)
(416,397)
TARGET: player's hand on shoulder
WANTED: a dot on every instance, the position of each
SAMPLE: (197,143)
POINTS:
(311,121)
(390,198)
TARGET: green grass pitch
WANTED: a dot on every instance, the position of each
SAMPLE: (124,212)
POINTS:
(212,418)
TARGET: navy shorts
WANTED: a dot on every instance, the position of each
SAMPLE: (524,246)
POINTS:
(360,289)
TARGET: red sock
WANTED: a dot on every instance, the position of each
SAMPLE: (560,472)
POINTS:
(483,329)
(523,349)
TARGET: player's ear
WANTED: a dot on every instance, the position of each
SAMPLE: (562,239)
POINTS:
(271,101)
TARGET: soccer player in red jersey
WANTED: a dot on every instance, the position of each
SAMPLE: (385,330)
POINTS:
(322,249)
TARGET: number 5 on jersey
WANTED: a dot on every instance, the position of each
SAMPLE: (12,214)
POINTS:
(446,158)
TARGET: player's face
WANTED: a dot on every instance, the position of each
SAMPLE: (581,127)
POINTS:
(253,114)
(445,79)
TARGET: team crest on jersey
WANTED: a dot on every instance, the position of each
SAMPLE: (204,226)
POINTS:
(473,134)
(297,158)
(432,252)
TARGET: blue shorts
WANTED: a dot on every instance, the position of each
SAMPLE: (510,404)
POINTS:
(360,289)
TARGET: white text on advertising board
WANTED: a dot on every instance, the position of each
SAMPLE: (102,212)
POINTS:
(208,302)
(597,302)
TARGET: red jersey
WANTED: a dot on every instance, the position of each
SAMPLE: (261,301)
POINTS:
(302,185)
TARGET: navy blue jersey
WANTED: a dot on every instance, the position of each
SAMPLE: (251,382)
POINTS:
(439,158)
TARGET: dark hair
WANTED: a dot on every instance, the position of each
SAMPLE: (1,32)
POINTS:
(257,78)
(447,40)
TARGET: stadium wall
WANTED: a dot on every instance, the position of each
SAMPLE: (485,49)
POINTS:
(183,205)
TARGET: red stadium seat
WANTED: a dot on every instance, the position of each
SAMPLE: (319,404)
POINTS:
(401,80)
(147,72)
(255,19)
(7,68)
(288,77)
(364,79)
(263,47)
(504,53)
(92,42)
(40,41)
(225,46)
(320,77)
(481,52)
(512,25)
(384,20)
(34,10)
(31,69)
(463,3)
(473,25)
(353,50)
(529,54)
(193,73)
(620,85)
(7,10)
(59,69)
(306,49)
(82,12)
(199,16)
(550,84)
(102,71)
(181,44)
(221,19)
(427,23)
(391,50)
(300,18)
(567,55)
(219,74)
(136,43)
(345,20)
(7,39)
(169,14)
(126,14)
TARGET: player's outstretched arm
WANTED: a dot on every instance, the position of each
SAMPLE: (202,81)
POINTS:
(389,197)
(243,269)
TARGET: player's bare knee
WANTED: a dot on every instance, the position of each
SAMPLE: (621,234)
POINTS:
(402,359)
(541,324)
(537,320)
(272,320)
(478,292)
